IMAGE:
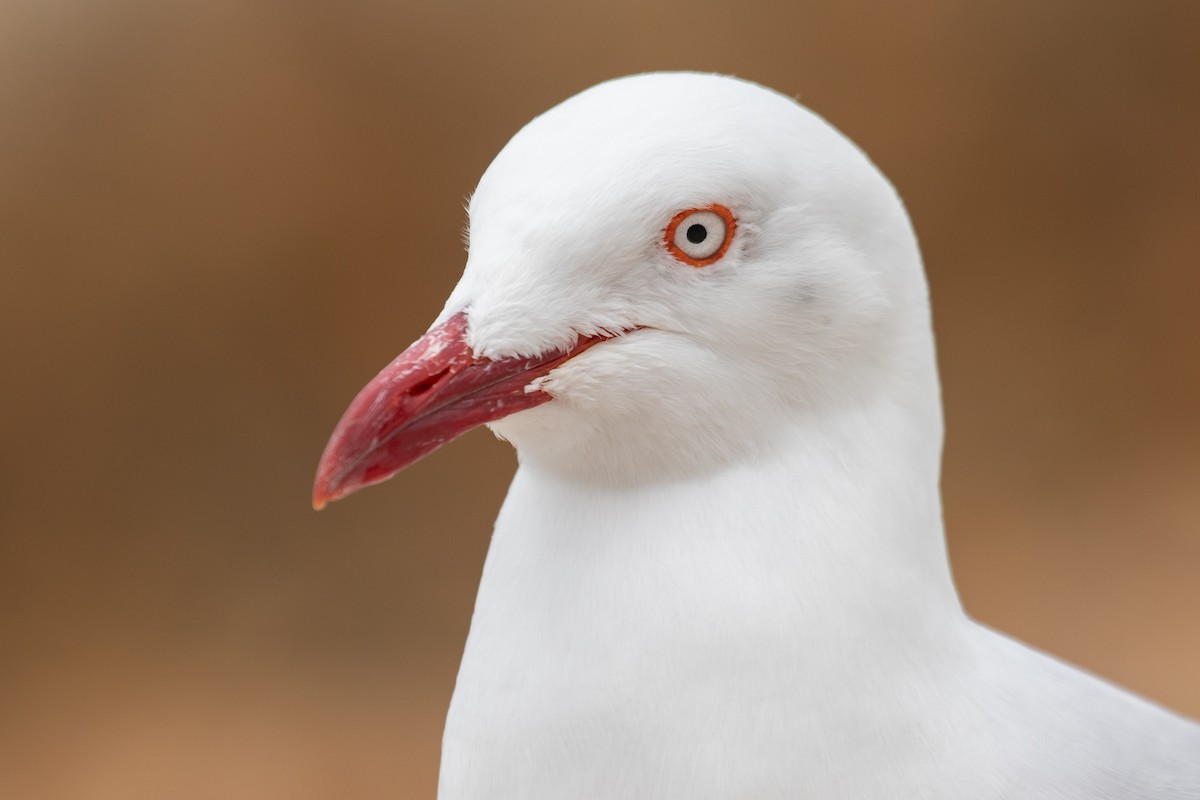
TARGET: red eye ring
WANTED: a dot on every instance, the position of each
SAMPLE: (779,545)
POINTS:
(671,230)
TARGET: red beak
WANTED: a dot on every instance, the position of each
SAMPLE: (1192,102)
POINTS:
(434,392)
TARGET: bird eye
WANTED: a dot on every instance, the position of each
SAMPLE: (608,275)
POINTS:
(700,236)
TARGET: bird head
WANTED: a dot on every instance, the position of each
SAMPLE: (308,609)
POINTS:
(661,271)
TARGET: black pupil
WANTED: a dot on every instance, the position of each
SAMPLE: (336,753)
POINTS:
(697,233)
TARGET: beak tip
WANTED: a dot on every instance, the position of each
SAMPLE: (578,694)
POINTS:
(323,493)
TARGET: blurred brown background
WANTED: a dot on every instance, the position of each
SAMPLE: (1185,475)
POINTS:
(218,219)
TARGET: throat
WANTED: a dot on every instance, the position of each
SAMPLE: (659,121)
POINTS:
(708,629)
(821,549)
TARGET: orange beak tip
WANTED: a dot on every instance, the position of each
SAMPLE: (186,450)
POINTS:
(320,498)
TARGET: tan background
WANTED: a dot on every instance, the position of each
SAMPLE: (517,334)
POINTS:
(218,219)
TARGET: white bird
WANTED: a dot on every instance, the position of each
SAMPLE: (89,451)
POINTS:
(720,571)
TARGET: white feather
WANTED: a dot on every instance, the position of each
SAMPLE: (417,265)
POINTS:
(720,571)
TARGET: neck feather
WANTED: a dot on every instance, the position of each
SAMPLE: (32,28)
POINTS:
(834,533)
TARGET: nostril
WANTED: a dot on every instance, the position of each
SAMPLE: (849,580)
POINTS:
(428,383)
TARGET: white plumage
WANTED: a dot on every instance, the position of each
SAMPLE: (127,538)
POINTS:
(720,571)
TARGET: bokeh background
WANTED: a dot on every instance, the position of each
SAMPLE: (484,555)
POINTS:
(219,218)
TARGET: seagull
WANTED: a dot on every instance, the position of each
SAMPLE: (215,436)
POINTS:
(700,315)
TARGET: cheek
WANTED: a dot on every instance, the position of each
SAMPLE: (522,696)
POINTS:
(650,378)
(622,375)
(591,391)
(648,406)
